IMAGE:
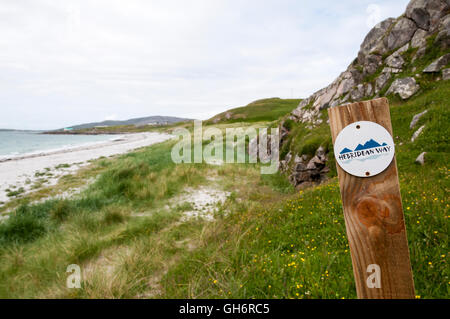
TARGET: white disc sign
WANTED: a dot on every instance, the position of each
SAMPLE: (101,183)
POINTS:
(364,149)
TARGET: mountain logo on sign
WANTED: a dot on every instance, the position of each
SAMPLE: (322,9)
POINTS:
(369,144)
(369,150)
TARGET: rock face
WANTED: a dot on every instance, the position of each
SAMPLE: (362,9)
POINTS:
(372,40)
(426,13)
(405,87)
(400,34)
(307,172)
(384,62)
(422,20)
(419,39)
(438,65)
(381,81)
(395,60)
(417,12)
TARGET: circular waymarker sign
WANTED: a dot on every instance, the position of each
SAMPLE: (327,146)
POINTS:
(364,149)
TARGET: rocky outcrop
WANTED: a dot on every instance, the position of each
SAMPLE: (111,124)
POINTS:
(308,171)
(371,42)
(383,66)
(400,34)
(419,39)
(405,87)
(427,13)
(384,50)
(395,60)
(438,65)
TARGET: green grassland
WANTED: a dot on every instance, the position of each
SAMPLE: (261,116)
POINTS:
(267,240)
(257,111)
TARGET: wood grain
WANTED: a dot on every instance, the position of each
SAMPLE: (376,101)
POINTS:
(373,212)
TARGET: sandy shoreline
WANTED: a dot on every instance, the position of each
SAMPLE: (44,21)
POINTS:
(24,171)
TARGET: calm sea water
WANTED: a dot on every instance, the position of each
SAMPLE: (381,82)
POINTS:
(16,143)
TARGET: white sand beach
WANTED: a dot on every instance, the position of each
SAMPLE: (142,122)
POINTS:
(21,171)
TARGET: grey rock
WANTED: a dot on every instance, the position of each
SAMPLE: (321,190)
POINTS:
(395,60)
(421,158)
(381,81)
(405,87)
(300,167)
(388,36)
(417,11)
(308,173)
(313,163)
(324,99)
(426,13)
(346,84)
(371,63)
(368,90)
(438,65)
(320,151)
(443,37)
(321,154)
(416,119)
(446,74)
(391,70)
(420,53)
(419,39)
(400,34)
(403,49)
(417,133)
(372,39)
(357,93)
(298,159)
(438,9)
(288,157)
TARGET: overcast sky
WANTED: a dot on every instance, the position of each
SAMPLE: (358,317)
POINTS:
(69,62)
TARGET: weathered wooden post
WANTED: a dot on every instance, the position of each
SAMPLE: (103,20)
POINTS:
(367,171)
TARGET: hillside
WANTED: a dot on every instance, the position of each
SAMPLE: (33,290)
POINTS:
(129,231)
(141,121)
(257,111)
(399,58)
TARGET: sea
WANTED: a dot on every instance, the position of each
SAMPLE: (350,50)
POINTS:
(23,143)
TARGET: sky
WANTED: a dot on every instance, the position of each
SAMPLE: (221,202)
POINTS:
(70,62)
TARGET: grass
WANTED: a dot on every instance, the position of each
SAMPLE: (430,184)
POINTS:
(267,240)
(265,110)
(15,193)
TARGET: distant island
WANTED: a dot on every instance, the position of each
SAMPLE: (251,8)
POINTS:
(119,127)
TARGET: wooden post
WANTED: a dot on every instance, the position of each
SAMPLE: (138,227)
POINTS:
(373,214)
